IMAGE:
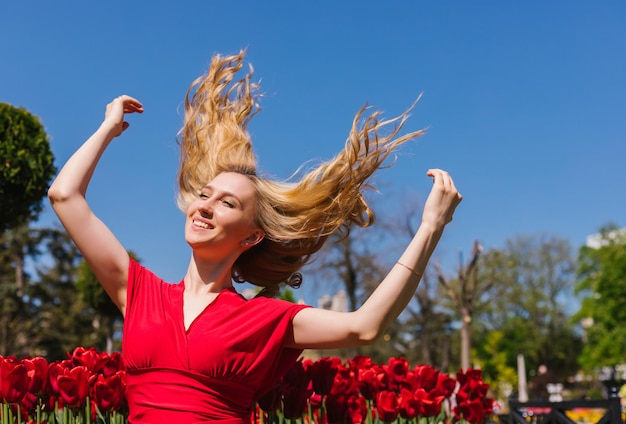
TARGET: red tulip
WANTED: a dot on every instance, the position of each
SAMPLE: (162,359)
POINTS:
(89,358)
(360,362)
(426,377)
(471,411)
(488,405)
(357,410)
(370,382)
(322,373)
(13,380)
(29,402)
(53,402)
(337,409)
(445,385)
(469,374)
(38,373)
(429,403)
(270,401)
(38,385)
(387,406)
(397,369)
(471,385)
(74,386)
(112,363)
(56,369)
(345,383)
(294,401)
(297,376)
(408,404)
(108,392)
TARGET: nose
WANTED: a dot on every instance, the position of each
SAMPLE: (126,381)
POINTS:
(206,207)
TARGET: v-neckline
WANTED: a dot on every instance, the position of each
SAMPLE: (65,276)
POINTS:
(186,328)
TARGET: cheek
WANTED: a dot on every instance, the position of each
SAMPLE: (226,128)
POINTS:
(190,210)
(237,222)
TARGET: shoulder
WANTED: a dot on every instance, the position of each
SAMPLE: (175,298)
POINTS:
(143,280)
(137,271)
(265,306)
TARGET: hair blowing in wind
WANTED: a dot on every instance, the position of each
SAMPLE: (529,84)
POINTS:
(299,214)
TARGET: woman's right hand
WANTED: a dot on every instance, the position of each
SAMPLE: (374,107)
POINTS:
(115,111)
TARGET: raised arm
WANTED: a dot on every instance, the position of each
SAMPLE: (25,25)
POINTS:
(315,328)
(101,249)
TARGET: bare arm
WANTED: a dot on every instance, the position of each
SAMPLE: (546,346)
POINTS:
(315,328)
(105,254)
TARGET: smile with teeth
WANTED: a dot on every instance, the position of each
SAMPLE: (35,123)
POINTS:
(200,224)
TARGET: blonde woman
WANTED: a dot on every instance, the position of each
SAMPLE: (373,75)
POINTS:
(198,351)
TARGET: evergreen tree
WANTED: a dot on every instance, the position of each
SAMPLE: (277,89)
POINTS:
(26,166)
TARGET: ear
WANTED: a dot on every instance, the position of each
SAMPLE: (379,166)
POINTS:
(253,239)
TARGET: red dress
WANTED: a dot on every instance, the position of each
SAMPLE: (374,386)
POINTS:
(213,372)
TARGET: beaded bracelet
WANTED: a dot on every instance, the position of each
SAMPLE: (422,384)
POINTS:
(410,269)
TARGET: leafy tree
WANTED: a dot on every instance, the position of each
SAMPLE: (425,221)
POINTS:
(107,318)
(26,166)
(425,332)
(287,294)
(498,373)
(536,279)
(601,277)
(429,328)
(346,262)
(468,293)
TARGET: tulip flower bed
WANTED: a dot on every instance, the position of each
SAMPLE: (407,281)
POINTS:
(360,391)
(89,387)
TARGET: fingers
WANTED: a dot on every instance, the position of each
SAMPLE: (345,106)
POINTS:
(129,104)
(442,177)
(117,108)
(443,199)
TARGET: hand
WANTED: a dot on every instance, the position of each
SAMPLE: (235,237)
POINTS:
(116,110)
(442,200)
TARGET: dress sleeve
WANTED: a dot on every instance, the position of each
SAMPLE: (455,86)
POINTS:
(134,273)
(274,357)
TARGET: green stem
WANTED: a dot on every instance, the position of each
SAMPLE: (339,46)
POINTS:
(11,418)
(88,411)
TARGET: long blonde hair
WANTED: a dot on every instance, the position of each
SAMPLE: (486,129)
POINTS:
(297,216)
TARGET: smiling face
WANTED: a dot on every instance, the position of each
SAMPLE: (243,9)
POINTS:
(221,220)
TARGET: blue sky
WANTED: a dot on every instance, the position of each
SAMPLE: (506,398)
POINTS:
(524,102)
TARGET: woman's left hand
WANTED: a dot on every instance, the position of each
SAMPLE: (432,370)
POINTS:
(117,109)
(442,200)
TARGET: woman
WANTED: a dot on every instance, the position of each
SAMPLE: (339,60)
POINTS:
(197,351)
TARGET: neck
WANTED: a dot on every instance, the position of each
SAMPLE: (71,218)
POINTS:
(205,277)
